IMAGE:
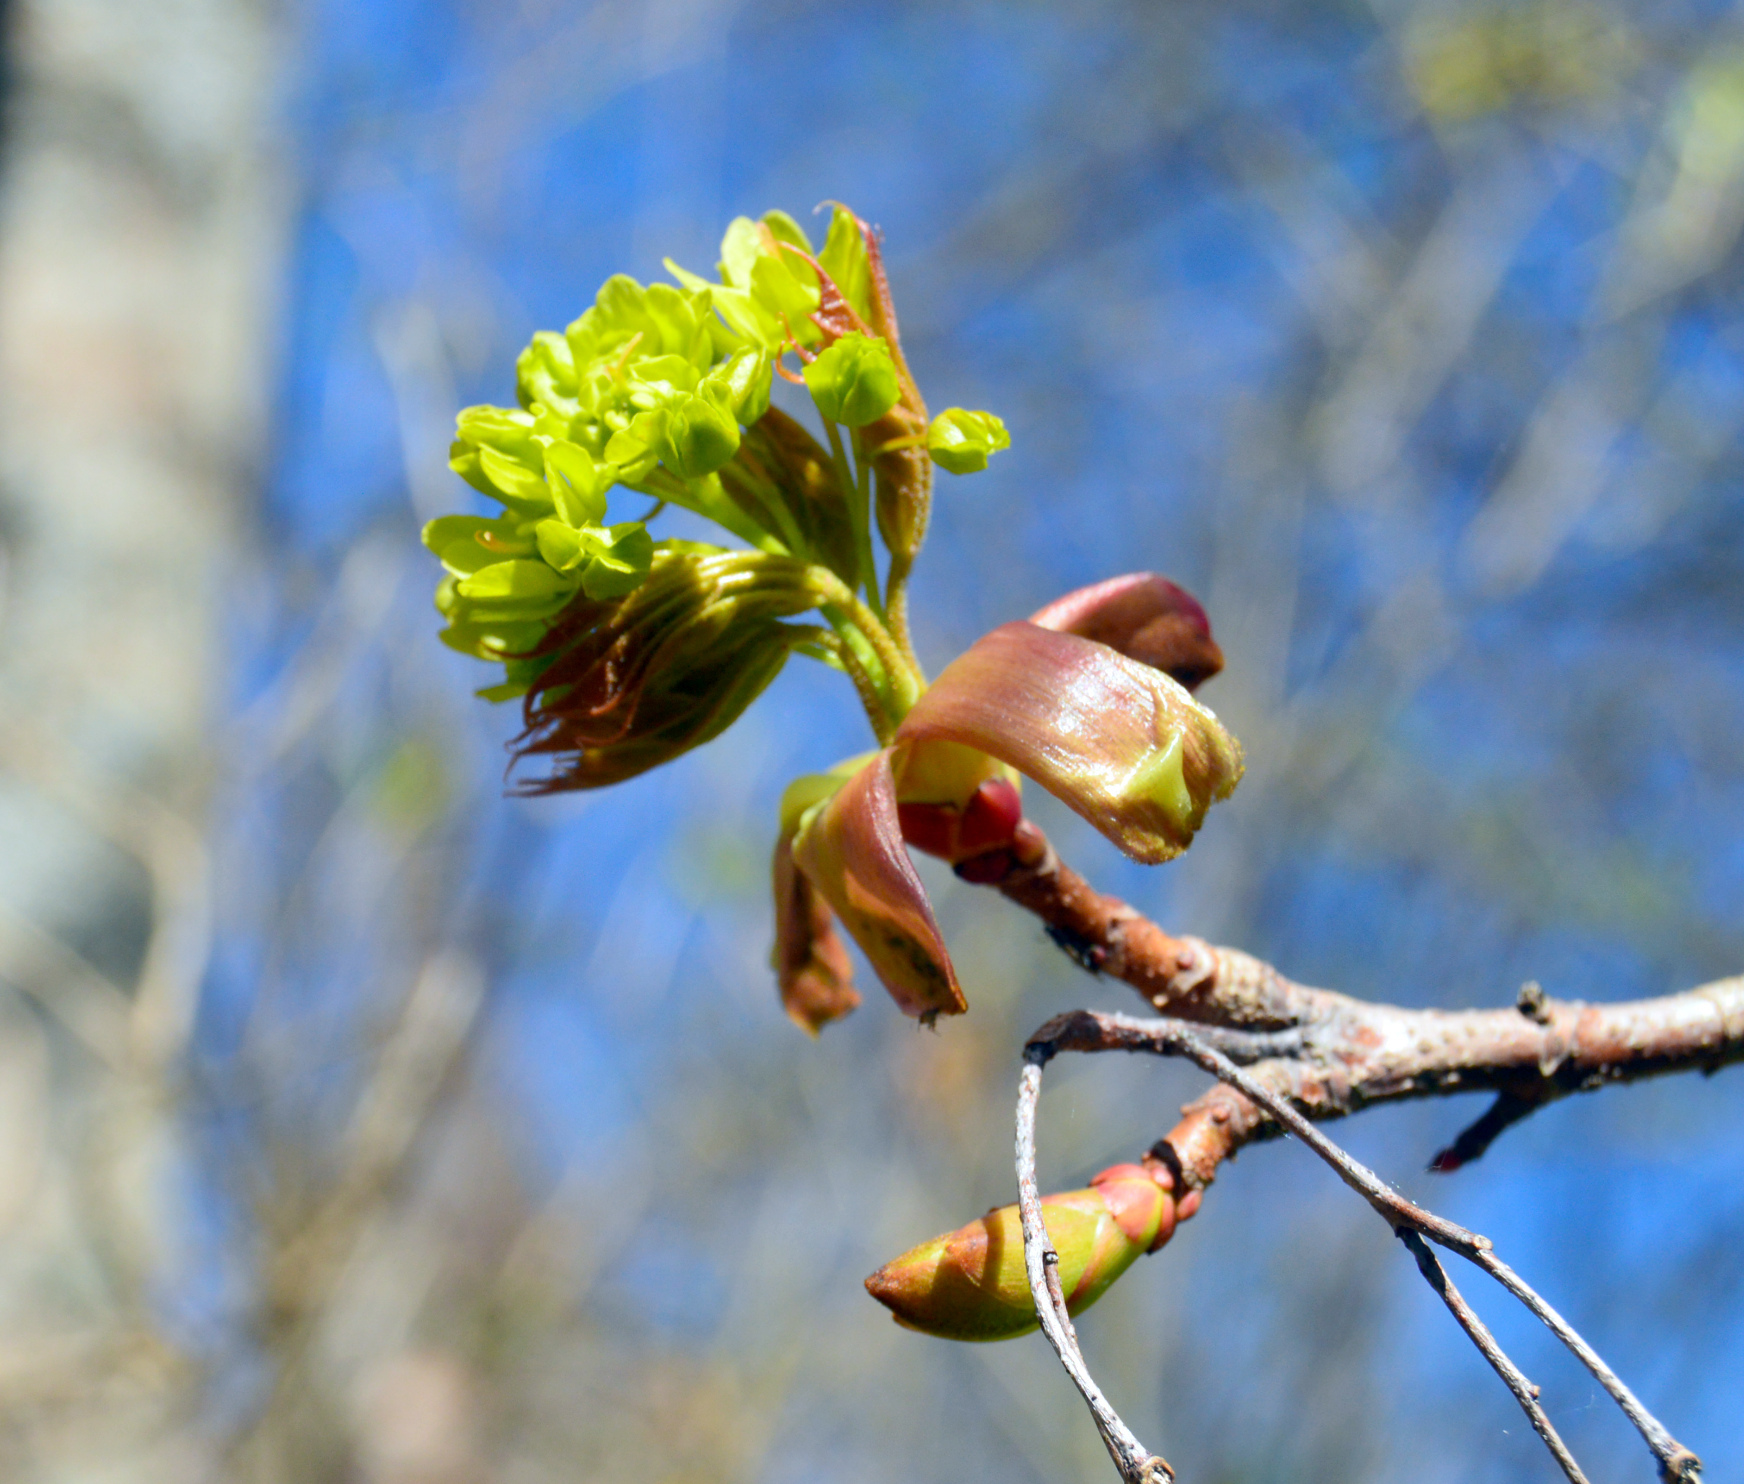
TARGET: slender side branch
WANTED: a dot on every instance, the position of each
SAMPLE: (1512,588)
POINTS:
(1136,1463)
(1429,1265)
(1086,1031)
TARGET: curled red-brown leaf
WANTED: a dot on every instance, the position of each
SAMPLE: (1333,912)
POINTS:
(851,849)
(1145,617)
(811,961)
(1118,741)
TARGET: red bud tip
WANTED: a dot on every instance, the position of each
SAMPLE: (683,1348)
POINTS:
(989,818)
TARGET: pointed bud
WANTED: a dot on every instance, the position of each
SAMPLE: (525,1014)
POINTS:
(971,1284)
(1145,617)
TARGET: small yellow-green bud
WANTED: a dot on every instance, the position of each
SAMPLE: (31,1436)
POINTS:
(700,434)
(961,441)
(747,375)
(854,381)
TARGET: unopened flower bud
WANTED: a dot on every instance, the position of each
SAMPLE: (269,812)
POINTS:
(747,375)
(700,433)
(955,802)
(854,381)
(1121,743)
(971,1284)
(961,441)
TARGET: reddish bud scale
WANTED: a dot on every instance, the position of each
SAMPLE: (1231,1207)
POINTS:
(1146,618)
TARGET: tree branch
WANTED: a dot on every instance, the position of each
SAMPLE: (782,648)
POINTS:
(1347,1053)
(1086,1031)
(1313,1054)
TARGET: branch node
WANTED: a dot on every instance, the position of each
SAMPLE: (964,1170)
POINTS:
(1087,955)
(1533,1003)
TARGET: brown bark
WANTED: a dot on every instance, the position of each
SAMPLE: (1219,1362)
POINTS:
(1331,1054)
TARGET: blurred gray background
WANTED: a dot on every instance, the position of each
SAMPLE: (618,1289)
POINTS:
(359,1124)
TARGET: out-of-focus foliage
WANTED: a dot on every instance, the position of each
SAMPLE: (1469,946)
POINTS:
(1406,337)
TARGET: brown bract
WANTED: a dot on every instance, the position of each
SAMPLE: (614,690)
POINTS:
(811,961)
(852,850)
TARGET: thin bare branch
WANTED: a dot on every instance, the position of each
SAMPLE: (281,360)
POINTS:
(1086,1031)
(1429,1265)
(1136,1463)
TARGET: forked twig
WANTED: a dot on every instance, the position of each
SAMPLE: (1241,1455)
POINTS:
(1086,1031)
(1429,1265)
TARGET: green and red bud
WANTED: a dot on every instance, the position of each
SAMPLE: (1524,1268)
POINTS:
(1119,742)
(988,821)
(971,1284)
(955,802)
(851,848)
(1116,739)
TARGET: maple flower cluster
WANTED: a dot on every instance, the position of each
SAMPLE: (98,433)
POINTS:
(625,650)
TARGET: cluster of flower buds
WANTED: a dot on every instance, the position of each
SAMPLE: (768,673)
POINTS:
(626,651)
(664,391)
(970,1284)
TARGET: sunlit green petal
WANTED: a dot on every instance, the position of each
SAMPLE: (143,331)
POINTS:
(747,377)
(512,477)
(545,370)
(578,485)
(699,434)
(844,259)
(620,567)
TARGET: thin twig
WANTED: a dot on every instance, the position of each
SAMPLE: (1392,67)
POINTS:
(1676,1463)
(1087,1031)
(1524,1391)
(1136,1463)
